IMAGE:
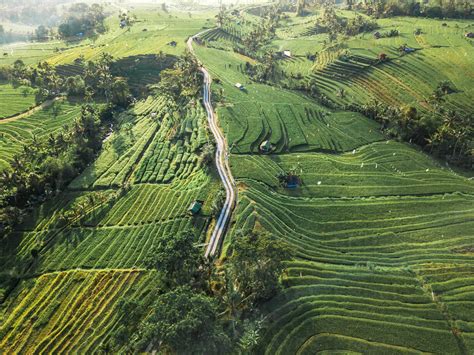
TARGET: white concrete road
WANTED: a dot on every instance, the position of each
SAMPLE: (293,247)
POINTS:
(222,165)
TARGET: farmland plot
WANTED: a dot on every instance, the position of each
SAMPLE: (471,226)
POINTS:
(15,100)
(289,121)
(369,247)
(108,221)
(17,133)
(61,311)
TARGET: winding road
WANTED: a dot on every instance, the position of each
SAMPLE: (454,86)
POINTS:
(222,164)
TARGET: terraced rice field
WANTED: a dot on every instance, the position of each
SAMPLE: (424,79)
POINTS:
(73,310)
(366,227)
(382,232)
(336,308)
(107,221)
(15,100)
(149,35)
(441,52)
(357,282)
(378,169)
(15,133)
(289,121)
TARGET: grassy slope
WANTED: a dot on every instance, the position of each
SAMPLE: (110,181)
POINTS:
(442,53)
(381,230)
(15,100)
(161,28)
(290,121)
(15,134)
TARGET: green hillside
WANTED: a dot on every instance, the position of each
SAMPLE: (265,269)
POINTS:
(373,221)
(85,249)
(15,99)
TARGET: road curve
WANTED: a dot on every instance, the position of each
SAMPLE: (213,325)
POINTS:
(222,164)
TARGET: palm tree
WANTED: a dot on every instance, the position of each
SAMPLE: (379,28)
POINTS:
(120,91)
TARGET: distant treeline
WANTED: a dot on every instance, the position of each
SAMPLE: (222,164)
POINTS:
(82,20)
(431,9)
(30,14)
(76,21)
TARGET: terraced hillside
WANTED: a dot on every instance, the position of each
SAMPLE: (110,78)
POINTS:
(107,221)
(22,129)
(72,310)
(288,120)
(15,99)
(441,53)
(364,236)
(382,231)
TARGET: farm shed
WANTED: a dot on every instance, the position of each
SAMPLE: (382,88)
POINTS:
(265,146)
(195,207)
(470,35)
(292,182)
(287,53)
(239,86)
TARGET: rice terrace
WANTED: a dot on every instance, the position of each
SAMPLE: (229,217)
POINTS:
(237,177)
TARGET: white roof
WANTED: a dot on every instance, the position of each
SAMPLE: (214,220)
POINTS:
(239,85)
(287,53)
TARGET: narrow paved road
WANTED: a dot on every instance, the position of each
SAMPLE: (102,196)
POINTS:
(222,164)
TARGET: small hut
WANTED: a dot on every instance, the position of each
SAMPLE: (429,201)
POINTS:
(287,53)
(195,207)
(383,57)
(377,35)
(469,35)
(239,86)
(292,182)
(265,146)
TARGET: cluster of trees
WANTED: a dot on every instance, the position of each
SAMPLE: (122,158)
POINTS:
(200,307)
(96,81)
(445,132)
(41,33)
(332,24)
(431,9)
(45,166)
(183,81)
(264,69)
(82,20)
(7,36)
(259,36)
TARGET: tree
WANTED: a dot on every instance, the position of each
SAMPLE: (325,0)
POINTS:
(300,7)
(75,85)
(207,154)
(82,20)
(183,321)
(176,258)
(41,33)
(255,265)
(221,16)
(183,81)
(120,92)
